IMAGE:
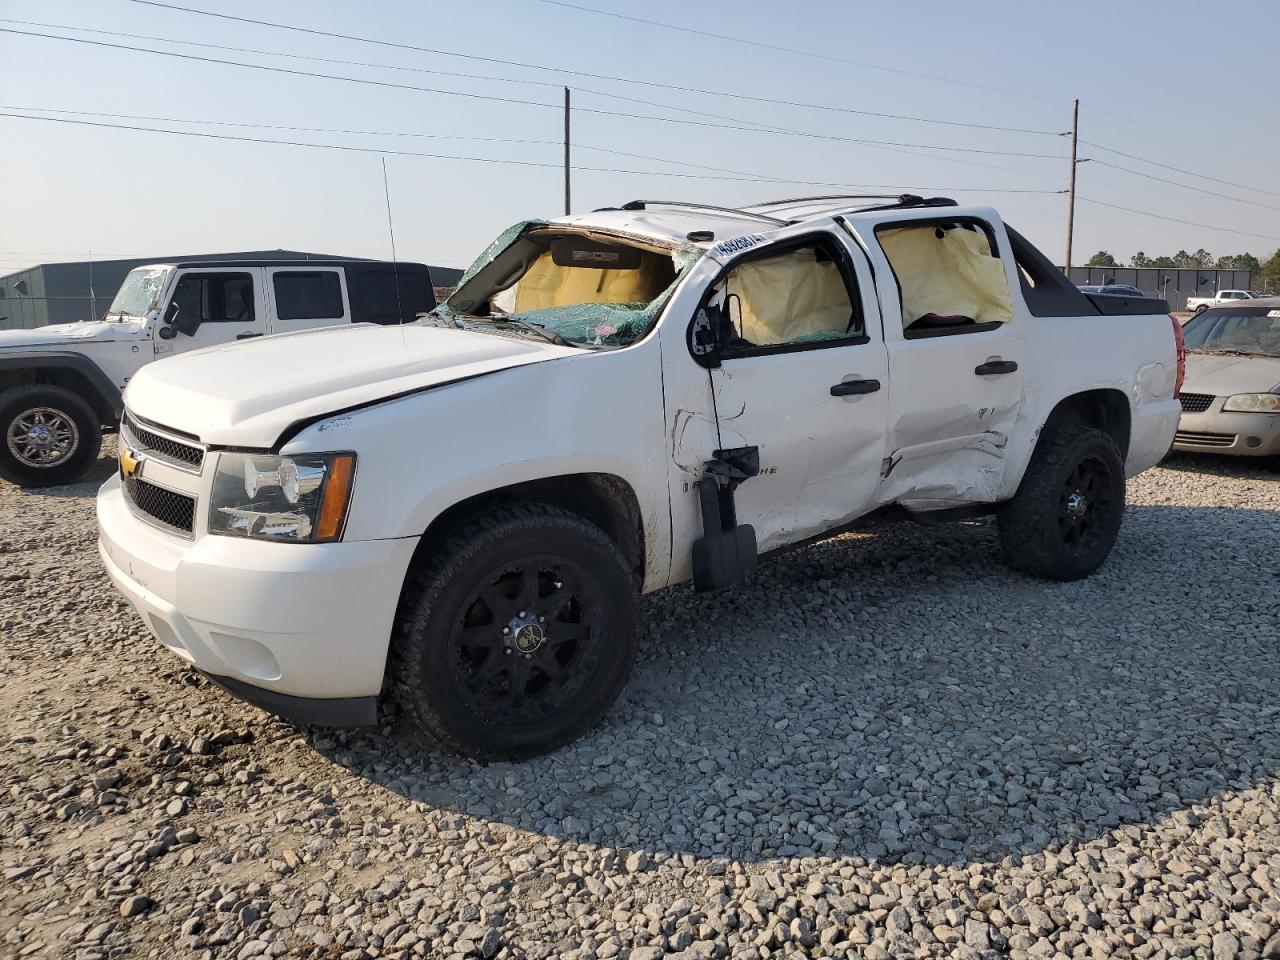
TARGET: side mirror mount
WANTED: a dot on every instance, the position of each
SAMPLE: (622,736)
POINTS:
(704,339)
(166,333)
(179,322)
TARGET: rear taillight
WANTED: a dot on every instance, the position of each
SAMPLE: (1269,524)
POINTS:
(1181,344)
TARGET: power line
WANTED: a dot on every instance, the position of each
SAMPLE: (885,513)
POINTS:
(1190,223)
(884,144)
(1182,136)
(950,81)
(1185,186)
(743,174)
(1190,173)
(580,73)
(497,160)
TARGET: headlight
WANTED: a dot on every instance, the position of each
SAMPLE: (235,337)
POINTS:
(298,499)
(1253,403)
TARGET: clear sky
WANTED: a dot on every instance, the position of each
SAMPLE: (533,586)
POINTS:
(1170,82)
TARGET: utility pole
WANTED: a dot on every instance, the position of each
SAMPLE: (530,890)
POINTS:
(1071,190)
(566,151)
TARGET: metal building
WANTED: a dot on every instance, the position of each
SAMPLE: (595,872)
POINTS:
(1174,284)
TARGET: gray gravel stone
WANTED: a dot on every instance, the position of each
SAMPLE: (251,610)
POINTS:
(887,745)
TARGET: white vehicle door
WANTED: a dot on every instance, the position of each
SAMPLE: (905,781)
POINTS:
(804,378)
(955,359)
(307,297)
(212,305)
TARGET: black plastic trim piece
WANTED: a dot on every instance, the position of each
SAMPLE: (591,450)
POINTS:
(737,353)
(924,333)
(108,398)
(309,711)
(995,367)
(852,388)
(1113,306)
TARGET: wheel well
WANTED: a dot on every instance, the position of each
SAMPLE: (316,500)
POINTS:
(66,377)
(1106,409)
(601,498)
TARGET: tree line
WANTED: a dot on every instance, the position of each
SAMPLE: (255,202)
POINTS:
(1265,273)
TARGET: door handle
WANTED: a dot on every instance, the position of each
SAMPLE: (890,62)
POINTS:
(995,366)
(247,336)
(851,387)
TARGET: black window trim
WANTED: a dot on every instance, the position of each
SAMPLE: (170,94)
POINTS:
(206,274)
(294,271)
(844,263)
(928,333)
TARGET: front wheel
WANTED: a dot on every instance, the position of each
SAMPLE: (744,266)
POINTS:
(517,634)
(1065,517)
(48,435)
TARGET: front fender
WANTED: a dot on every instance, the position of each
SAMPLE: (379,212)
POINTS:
(589,413)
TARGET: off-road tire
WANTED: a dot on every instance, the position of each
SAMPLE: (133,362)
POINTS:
(435,601)
(1031,525)
(16,401)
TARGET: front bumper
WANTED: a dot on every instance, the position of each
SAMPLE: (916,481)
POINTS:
(300,629)
(1234,434)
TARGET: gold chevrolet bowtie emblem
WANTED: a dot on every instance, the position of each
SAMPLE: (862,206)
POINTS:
(130,462)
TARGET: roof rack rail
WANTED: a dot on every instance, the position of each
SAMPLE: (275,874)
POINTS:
(643,204)
(834,196)
(901,201)
(908,200)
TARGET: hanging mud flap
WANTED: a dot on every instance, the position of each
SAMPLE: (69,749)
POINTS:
(725,554)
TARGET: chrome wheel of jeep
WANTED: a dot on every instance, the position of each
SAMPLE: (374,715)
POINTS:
(42,437)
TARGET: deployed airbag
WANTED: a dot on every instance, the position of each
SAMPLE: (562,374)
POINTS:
(947,272)
(550,284)
(788,297)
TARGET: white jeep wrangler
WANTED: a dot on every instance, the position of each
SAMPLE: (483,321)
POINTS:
(60,384)
(462,513)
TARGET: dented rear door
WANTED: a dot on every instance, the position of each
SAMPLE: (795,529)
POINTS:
(956,395)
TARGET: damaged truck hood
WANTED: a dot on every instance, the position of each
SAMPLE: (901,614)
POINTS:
(247,394)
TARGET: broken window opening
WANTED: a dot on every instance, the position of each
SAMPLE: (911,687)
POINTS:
(588,288)
(796,297)
(949,277)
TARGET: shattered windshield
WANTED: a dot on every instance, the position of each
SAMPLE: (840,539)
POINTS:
(1248,331)
(139,292)
(570,286)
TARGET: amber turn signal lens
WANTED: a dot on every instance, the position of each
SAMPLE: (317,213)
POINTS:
(337,495)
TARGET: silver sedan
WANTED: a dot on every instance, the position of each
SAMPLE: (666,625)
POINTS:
(1231,395)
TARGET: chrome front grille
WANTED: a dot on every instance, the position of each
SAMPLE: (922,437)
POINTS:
(183,454)
(1204,439)
(167,508)
(1196,402)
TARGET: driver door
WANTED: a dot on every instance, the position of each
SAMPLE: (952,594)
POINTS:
(211,306)
(804,378)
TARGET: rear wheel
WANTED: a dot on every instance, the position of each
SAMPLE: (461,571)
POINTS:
(517,634)
(1066,515)
(48,435)
(1201,309)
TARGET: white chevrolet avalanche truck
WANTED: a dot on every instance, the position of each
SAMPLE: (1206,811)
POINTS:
(461,513)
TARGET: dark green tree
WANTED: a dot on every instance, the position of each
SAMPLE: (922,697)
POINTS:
(1140,259)
(1240,261)
(1102,259)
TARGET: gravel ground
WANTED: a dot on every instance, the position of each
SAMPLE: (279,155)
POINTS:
(886,746)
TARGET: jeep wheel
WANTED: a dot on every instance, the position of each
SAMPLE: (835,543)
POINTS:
(48,436)
(1065,517)
(517,634)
